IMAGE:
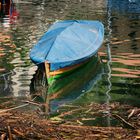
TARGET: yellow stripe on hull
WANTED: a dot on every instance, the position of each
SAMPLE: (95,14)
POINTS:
(62,70)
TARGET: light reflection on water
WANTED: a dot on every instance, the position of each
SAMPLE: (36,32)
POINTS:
(18,33)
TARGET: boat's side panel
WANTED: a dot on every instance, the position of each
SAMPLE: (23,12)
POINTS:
(62,70)
(51,75)
(75,79)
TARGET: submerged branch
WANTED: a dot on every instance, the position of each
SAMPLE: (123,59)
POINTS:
(124,121)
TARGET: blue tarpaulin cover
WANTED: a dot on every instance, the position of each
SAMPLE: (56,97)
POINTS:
(68,42)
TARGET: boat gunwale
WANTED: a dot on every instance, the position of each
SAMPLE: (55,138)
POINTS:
(60,71)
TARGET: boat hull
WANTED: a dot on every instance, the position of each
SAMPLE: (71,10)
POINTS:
(75,80)
(67,46)
(60,73)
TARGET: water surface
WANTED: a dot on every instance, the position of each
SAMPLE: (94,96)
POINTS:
(118,79)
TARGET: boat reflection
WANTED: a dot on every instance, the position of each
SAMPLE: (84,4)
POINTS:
(67,88)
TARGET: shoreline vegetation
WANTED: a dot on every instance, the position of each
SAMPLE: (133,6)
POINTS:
(17,123)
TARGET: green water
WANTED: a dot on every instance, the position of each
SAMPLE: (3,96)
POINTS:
(118,76)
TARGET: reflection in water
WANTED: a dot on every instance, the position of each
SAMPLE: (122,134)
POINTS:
(130,60)
(19,34)
(125,48)
(125,59)
(125,6)
(67,88)
(109,64)
(8,12)
(8,16)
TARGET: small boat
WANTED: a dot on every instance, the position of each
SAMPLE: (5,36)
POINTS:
(68,88)
(66,46)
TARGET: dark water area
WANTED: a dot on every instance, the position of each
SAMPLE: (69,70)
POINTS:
(117,78)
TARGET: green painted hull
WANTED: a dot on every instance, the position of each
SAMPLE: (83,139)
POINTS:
(91,61)
(63,84)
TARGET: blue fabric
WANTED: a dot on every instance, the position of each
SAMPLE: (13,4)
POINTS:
(68,42)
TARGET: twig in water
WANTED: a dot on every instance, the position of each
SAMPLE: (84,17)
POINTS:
(17,107)
(3,136)
(33,103)
(18,132)
(131,114)
(13,108)
(124,121)
(70,112)
(9,133)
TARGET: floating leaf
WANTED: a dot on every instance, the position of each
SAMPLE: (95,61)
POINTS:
(56,119)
